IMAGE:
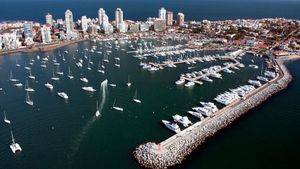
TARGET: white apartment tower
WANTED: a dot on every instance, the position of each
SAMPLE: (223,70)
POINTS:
(162,12)
(69,22)
(46,33)
(118,17)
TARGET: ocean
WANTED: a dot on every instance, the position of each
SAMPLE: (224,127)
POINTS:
(57,134)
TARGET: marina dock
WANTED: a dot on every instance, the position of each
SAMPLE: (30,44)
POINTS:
(175,149)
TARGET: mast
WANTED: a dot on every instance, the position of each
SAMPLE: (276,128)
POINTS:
(4,115)
(97,107)
(12,137)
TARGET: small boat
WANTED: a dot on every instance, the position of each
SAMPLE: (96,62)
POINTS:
(117,108)
(54,77)
(28,100)
(43,66)
(31,76)
(15,147)
(172,126)
(112,85)
(27,88)
(17,64)
(49,86)
(63,95)
(97,114)
(180,81)
(5,119)
(189,84)
(183,120)
(26,67)
(128,82)
(135,98)
(11,78)
(89,89)
(83,79)
(70,76)
(58,71)
(18,85)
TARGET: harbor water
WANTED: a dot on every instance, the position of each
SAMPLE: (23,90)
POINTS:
(65,134)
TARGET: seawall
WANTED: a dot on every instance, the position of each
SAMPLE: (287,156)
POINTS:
(176,148)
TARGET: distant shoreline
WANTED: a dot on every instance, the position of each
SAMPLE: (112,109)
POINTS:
(42,48)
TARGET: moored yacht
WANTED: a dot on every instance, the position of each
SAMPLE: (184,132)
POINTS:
(63,95)
(27,88)
(189,84)
(180,81)
(89,89)
(83,79)
(5,119)
(135,98)
(15,147)
(97,114)
(28,100)
(172,126)
(183,120)
(117,108)
(49,86)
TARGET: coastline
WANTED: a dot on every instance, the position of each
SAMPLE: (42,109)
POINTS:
(42,48)
(176,148)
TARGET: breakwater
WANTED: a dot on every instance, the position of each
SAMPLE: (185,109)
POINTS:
(176,148)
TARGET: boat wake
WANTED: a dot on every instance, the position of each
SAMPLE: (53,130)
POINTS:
(82,134)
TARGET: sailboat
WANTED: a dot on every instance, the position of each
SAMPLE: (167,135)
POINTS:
(135,98)
(26,67)
(28,101)
(58,71)
(11,77)
(31,76)
(97,114)
(15,147)
(105,59)
(49,86)
(115,107)
(117,64)
(54,77)
(5,119)
(17,64)
(88,66)
(63,58)
(70,76)
(128,83)
(27,88)
(99,68)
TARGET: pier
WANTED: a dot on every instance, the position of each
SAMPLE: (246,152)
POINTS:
(197,79)
(175,149)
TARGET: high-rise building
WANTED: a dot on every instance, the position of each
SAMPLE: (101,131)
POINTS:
(180,19)
(162,13)
(169,18)
(69,22)
(118,17)
(46,33)
(101,15)
(105,20)
(49,19)
(84,23)
(28,29)
(28,33)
